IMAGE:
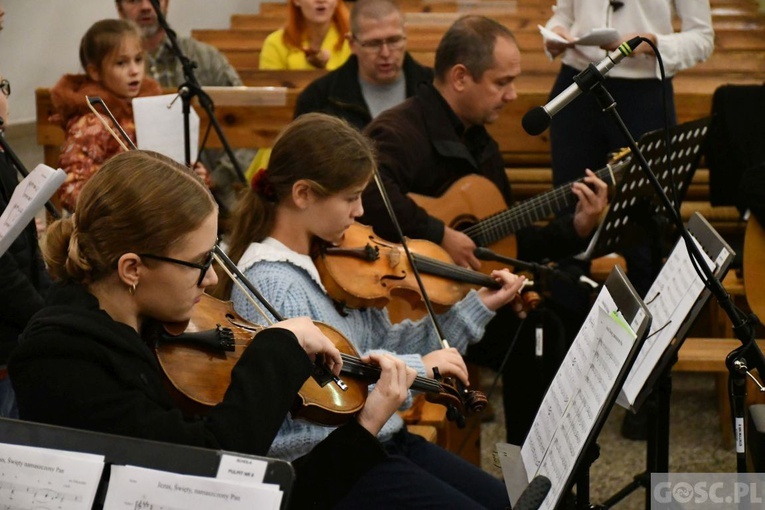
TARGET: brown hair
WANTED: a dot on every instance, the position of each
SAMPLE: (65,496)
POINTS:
(296,26)
(102,38)
(139,202)
(325,150)
(373,9)
(469,41)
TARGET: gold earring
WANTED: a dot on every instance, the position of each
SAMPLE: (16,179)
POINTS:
(131,289)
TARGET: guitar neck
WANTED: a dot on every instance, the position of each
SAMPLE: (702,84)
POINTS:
(503,224)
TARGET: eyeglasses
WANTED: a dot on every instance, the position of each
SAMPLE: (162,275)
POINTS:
(374,45)
(5,87)
(203,268)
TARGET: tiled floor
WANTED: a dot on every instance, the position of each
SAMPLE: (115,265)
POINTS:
(695,442)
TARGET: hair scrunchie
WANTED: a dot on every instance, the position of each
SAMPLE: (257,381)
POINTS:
(262,186)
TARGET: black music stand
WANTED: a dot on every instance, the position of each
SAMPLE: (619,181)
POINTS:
(656,390)
(635,204)
(187,460)
(514,468)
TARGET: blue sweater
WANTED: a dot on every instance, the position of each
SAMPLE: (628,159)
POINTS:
(291,283)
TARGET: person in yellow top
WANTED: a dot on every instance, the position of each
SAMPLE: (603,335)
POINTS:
(314,38)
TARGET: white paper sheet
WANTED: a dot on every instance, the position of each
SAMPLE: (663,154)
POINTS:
(595,37)
(241,469)
(577,395)
(159,128)
(132,487)
(27,200)
(670,298)
(39,478)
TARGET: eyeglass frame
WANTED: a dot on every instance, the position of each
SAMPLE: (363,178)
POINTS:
(375,45)
(5,87)
(203,268)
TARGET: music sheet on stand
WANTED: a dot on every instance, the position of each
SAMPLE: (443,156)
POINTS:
(132,488)
(43,479)
(576,396)
(28,198)
(670,299)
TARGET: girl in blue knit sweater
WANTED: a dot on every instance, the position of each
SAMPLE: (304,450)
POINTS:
(312,189)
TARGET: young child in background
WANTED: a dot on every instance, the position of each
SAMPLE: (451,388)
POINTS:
(112,55)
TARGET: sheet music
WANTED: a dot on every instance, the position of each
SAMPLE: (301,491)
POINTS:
(133,488)
(595,37)
(670,299)
(577,395)
(43,479)
(159,126)
(28,198)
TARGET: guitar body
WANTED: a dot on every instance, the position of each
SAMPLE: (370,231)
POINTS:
(466,202)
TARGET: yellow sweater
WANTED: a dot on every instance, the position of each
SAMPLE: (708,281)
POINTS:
(276,55)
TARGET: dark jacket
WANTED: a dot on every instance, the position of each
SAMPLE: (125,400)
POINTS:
(22,273)
(338,93)
(423,148)
(76,367)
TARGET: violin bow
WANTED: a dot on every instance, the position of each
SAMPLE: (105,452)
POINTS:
(92,101)
(245,285)
(410,258)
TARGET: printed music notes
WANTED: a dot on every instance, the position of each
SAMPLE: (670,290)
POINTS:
(135,488)
(41,479)
(28,198)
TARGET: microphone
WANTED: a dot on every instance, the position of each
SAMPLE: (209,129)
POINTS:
(538,119)
(482,253)
(534,495)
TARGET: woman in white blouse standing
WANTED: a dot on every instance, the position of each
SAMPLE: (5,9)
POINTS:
(581,135)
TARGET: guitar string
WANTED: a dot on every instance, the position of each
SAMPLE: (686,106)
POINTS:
(500,222)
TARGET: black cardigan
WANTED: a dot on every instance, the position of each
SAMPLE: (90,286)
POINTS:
(338,93)
(76,367)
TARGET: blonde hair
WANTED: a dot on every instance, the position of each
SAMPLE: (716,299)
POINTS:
(324,150)
(139,202)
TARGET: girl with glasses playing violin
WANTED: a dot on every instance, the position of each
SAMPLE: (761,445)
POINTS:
(136,252)
(311,191)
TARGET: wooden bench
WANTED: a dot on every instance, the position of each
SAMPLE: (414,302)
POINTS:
(708,355)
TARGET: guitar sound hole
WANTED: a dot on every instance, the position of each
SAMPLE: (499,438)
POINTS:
(463,222)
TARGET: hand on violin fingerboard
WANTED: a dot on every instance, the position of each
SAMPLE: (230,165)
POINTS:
(511,286)
(390,391)
(449,363)
(313,341)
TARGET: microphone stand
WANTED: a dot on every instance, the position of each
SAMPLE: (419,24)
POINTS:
(743,325)
(190,89)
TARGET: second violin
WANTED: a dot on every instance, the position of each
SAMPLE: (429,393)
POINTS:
(367,271)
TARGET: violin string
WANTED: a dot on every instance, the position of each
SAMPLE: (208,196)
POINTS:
(355,362)
(427,264)
(244,289)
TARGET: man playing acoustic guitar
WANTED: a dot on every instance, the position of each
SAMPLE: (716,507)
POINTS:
(438,136)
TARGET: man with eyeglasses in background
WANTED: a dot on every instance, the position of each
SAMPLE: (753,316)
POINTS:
(212,69)
(379,75)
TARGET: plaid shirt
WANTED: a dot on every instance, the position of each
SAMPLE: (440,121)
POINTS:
(212,67)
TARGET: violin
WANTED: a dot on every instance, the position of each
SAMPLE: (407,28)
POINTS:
(214,339)
(365,271)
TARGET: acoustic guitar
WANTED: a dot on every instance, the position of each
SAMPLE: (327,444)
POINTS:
(475,206)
